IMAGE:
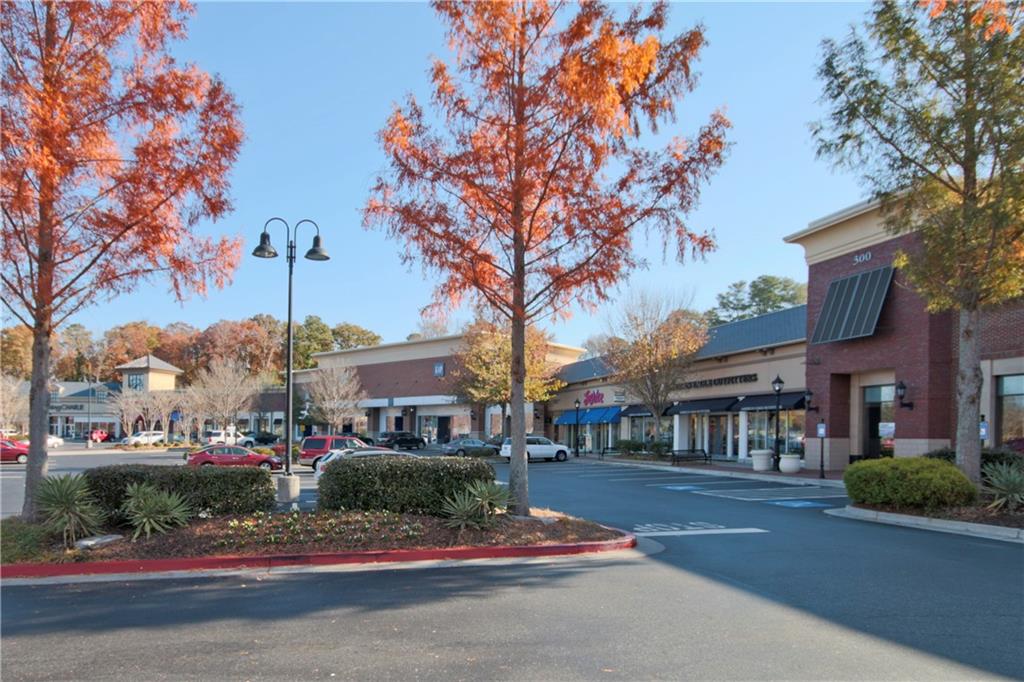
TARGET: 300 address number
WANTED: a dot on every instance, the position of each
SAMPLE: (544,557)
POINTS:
(862,257)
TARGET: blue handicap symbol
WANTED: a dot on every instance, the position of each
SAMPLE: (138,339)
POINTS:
(798,504)
(683,488)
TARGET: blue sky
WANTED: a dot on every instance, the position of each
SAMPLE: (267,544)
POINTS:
(317,80)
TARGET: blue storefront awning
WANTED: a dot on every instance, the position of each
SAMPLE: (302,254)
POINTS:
(590,415)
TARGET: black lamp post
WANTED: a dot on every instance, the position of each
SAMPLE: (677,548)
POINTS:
(316,252)
(777,384)
(576,441)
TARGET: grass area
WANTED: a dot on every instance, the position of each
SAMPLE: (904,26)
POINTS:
(305,532)
(21,541)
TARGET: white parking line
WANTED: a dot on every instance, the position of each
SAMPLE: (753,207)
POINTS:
(701,483)
(708,531)
(757,494)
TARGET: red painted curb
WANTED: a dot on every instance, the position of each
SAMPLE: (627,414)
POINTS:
(318,559)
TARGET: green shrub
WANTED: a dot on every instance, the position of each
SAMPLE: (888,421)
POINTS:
(659,448)
(1005,482)
(151,510)
(461,510)
(491,497)
(628,447)
(235,490)
(263,451)
(988,456)
(910,483)
(398,484)
(68,507)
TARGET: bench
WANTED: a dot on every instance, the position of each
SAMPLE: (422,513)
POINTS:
(691,455)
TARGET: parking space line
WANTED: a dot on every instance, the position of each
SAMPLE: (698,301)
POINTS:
(703,531)
(760,494)
(702,481)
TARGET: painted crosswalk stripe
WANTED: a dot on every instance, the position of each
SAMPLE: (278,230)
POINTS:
(702,531)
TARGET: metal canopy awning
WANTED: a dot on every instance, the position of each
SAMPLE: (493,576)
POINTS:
(635,411)
(852,306)
(788,401)
(704,405)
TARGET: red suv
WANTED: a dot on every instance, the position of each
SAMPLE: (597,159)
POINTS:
(315,447)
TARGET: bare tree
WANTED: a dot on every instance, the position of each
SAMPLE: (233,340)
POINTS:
(13,402)
(129,405)
(224,389)
(651,347)
(162,404)
(335,393)
(191,412)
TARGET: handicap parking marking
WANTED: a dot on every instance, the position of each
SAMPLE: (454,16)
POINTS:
(799,504)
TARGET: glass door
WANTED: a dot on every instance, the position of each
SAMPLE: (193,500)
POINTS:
(718,434)
(879,425)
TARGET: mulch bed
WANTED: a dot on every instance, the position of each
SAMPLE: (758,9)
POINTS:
(308,533)
(976,514)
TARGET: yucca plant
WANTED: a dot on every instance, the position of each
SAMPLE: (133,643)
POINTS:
(491,497)
(68,508)
(151,510)
(463,511)
(1005,482)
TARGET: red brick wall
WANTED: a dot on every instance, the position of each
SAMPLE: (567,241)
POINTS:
(406,378)
(917,346)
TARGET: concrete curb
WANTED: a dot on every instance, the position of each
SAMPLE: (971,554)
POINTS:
(271,561)
(795,480)
(978,530)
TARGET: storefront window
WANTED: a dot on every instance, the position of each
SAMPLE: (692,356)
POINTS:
(879,425)
(642,429)
(761,431)
(1010,409)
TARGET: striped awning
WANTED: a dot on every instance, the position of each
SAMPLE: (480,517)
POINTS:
(852,306)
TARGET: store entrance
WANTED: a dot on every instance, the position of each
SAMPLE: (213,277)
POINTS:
(444,429)
(879,424)
(718,434)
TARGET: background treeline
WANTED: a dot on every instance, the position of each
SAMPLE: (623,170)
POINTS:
(256,344)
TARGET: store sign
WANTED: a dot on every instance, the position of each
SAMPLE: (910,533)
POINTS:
(983,430)
(593,398)
(821,429)
(70,407)
(721,381)
(886,429)
(619,397)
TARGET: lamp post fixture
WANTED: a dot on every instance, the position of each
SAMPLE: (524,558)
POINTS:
(777,384)
(576,441)
(901,393)
(316,252)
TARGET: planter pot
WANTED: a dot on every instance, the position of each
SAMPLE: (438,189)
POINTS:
(762,459)
(789,464)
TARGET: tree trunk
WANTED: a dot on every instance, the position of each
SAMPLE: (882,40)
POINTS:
(968,396)
(39,419)
(517,475)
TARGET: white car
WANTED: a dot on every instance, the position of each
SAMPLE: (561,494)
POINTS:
(52,441)
(143,438)
(228,437)
(352,453)
(538,447)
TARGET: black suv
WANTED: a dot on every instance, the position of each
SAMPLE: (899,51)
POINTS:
(401,439)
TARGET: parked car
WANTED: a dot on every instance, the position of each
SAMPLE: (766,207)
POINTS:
(538,447)
(460,447)
(315,447)
(8,433)
(98,436)
(263,437)
(401,439)
(228,437)
(231,456)
(11,451)
(354,453)
(52,441)
(143,438)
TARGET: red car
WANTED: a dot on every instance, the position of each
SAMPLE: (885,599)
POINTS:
(13,452)
(99,436)
(315,447)
(232,456)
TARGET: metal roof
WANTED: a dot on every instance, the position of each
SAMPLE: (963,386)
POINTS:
(772,329)
(150,362)
(764,331)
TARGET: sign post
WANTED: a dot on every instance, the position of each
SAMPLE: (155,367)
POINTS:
(821,449)
(983,430)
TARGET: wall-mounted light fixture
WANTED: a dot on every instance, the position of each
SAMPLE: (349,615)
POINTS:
(901,393)
(808,394)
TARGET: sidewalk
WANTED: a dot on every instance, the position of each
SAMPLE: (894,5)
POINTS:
(833,479)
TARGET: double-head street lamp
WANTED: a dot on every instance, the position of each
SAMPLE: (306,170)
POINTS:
(316,252)
(777,385)
(576,441)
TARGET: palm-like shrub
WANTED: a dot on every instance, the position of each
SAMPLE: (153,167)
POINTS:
(462,511)
(151,510)
(490,497)
(1005,482)
(68,508)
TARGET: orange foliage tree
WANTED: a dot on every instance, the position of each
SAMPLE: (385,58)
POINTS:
(112,153)
(529,193)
